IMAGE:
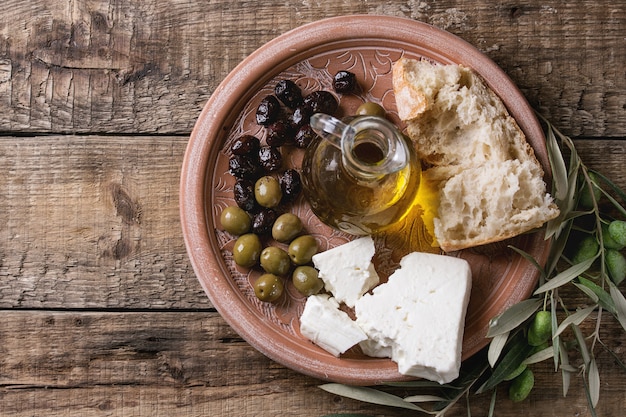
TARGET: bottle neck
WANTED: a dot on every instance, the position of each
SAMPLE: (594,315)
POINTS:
(373,147)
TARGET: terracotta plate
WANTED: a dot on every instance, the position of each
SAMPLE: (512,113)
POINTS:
(311,55)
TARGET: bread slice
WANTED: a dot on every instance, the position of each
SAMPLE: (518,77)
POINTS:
(495,201)
(454,119)
(467,140)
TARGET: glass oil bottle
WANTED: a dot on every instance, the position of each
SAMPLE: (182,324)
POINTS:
(361,176)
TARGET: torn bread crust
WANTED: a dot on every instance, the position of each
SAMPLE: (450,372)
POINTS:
(459,127)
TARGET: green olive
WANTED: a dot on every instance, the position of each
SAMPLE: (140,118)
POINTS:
(247,250)
(235,220)
(608,241)
(539,348)
(521,368)
(370,109)
(275,261)
(617,230)
(540,329)
(616,265)
(522,385)
(286,227)
(268,287)
(302,249)
(306,280)
(587,249)
(590,192)
(267,191)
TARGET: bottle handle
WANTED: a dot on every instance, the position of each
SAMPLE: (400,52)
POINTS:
(379,132)
(329,128)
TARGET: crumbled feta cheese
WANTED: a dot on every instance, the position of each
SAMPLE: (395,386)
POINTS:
(323,323)
(417,318)
(347,270)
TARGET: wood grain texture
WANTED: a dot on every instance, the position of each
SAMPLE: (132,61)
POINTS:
(102,314)
(124,349)
(97,225)
(148,67)
(192,364)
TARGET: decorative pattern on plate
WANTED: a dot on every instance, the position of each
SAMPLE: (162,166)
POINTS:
(310,75)
(373,67)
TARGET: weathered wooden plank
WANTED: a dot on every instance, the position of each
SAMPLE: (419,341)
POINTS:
(94,226)
(97,225)
(119,364)
(149,66)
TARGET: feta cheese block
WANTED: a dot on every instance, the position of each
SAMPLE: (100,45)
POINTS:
(417,318)
(323,323)
(347,270)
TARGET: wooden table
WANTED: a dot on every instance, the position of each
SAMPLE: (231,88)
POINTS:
(102,314)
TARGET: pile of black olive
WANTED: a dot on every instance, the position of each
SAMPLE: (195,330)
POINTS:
(262,187)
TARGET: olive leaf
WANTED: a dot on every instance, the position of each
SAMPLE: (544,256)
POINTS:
(496,346)
(559,170)
(575,318)
(596,293)
(560,173)
(587,360)
(617,190)
(620,304)
(614,202)
(420,383)
(566,276)
(370,395)
(566,205)
(423,398)
(540,356)
(512,317)
(492,404)
(557,248)
(566,372)
(514,357)
(582,344)
(533,261)
(556,340)
(527,256)
(594,382)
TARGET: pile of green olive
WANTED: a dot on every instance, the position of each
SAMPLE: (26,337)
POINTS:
(259,194)
(276,262)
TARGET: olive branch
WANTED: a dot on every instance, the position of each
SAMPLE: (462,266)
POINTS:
(588,238)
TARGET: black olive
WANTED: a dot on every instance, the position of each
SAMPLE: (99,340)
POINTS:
(263,221)
(301,116)
(268,110)
(278,133)
(290,184)
(244,166)
(270,158)
(289,93)
(245,145)
(321,102)
(345,82)
(304,136)
(243,191)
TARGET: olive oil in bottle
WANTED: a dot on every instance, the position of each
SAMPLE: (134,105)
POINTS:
(360,177)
